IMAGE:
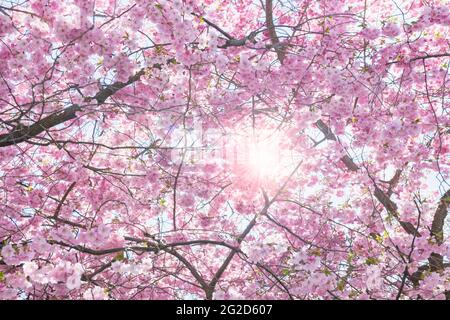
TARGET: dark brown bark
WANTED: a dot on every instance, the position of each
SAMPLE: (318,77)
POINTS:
(23,133)
(437,226)
(272,31)
(379,194)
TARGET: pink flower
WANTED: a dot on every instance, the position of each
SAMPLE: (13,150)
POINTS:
(29,268)
(374,280)
(298,258)
(77,269)
(391,30)
(117,266)
(66,233)
(89,237)
(97,293)
(221,62)
(60,272)
(8,254)
(103,232)
(187,200)
(205,221)
(220,294)
(245,64)
(153,176)
(7,293)
(73,282)
(40,245)
(370,33)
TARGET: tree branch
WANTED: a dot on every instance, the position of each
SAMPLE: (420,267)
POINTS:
(23,133)
(272,31)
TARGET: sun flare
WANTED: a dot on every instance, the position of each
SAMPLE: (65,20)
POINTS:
(264,158)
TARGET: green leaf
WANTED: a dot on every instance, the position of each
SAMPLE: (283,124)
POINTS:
(2,276)
(120,256)
(351,256)
(327,272)
(286,272)
(162,202)
(378,238)
(371,261)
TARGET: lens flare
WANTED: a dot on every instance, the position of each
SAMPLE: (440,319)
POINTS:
(264,158)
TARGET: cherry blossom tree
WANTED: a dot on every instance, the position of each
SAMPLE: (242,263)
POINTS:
(219,149)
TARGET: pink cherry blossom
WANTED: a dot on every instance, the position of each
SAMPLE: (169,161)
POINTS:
(29,268)
(196,149)
(8,253)
(370,33)
(40,245)
(374,279)
(391,30)
(96,293)
(73,282)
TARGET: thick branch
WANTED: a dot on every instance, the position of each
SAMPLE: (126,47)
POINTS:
(24,133)
(230,257)
(329,135)
(384,199)
(272,32)
(437,226)
(436,260)
(108,91)
(230,40)
(428,56)
(60,204)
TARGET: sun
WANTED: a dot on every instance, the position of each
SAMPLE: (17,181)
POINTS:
(264,157)
(257,158)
